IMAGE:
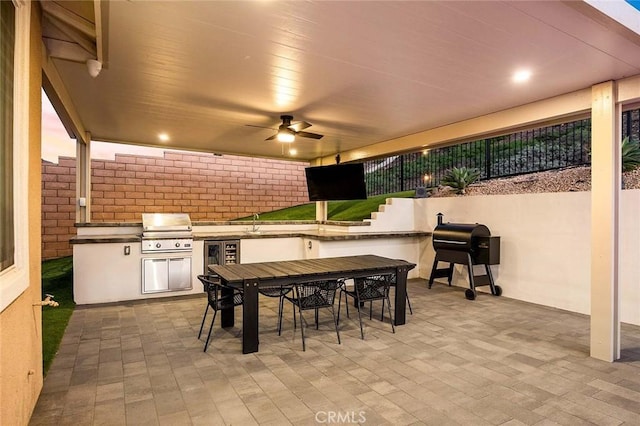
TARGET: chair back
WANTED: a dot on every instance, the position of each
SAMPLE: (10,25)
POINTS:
(208,280)
(319,294)
(373,288)
(275,291)
(217,300)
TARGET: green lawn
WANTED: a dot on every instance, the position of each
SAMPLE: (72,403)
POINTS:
(57,279)
(354,210)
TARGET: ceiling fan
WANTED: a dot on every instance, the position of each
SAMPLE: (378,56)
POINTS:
(288,131)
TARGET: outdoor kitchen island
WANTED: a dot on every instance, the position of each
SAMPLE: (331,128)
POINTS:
(109,260)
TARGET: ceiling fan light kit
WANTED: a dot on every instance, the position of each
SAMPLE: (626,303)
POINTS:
(285,135)
(288,131)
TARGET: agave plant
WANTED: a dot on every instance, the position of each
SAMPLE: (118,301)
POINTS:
(459,178)
(630,154)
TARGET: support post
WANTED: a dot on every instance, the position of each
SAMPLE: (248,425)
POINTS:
(321,211)
(605,203)
(83,180)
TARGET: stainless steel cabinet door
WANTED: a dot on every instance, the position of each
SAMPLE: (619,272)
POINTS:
(180,273)
(166,274)
(155,276)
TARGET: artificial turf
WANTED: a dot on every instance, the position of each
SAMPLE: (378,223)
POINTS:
(57,280)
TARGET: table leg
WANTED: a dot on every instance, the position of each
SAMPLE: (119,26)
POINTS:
(250,317)
(227,317)
(401,295)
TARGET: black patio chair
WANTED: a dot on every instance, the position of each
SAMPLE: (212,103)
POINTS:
(279,292)
(313,296)
(217,301)
(206,280)
(393,284)
(369,290)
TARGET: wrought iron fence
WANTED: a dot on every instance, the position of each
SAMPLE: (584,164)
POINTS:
(529,151)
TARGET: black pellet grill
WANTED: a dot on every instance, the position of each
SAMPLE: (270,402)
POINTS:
(465,244)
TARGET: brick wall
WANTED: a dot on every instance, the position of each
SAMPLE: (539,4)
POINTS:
(206,186)
(58,208)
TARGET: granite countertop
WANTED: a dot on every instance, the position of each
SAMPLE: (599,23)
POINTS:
(228,222)
(107,224)
(317,235)
(101,239)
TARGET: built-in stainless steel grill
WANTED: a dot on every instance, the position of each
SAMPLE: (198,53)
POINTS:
(466,244)
(166,233)
(168,242)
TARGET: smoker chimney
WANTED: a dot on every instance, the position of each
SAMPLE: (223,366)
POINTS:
(439,215)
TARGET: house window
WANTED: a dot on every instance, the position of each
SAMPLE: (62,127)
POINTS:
(15,17)
(7,42)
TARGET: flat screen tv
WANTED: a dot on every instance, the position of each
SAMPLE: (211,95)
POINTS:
(336,182)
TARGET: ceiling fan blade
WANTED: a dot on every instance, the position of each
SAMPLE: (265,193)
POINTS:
(299,125)
(260,127)
(271,137)
(309,135)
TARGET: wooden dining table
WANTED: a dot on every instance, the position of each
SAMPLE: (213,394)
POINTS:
(252,276)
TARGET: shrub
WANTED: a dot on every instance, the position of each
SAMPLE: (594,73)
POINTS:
(630,154)
(459,178)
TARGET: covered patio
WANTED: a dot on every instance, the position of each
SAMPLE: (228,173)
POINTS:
(373,79)
(223,77)
(496,361)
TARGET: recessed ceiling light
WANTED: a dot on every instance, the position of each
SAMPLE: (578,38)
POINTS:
(521,76)
(163,137)
(293,151)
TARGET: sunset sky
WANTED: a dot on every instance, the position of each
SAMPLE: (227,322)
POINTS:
(57,143)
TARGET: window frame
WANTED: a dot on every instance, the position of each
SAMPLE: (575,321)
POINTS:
(15,279)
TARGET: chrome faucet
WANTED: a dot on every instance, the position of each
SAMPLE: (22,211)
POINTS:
(255,228)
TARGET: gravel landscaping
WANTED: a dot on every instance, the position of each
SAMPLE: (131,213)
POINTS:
(563,180)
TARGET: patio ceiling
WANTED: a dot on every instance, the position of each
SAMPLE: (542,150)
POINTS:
(216,76)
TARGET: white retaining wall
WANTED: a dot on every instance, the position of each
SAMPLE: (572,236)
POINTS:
(545,245)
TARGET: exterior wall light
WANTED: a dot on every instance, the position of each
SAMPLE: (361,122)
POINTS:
(94,67)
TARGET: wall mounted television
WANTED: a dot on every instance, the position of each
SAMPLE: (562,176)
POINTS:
(336,182)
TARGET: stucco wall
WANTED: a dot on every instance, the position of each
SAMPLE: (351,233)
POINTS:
(207,186)
(545,246)
(21,322)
